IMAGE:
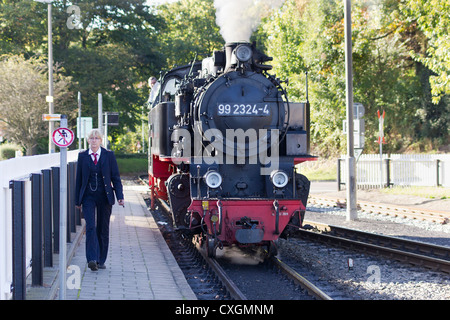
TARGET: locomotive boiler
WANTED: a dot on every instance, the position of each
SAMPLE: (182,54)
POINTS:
(224,142)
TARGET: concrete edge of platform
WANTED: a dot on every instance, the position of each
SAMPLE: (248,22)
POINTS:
(179,277)
(51,274)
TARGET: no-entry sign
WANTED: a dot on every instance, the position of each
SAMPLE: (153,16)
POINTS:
(63,137)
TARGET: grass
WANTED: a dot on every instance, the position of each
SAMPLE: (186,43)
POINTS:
(427,192)
(129,166)
(320,170)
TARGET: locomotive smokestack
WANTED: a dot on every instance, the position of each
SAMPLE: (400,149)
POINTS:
(244,55)
(229,47)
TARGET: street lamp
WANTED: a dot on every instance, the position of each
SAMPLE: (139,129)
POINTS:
(51,146)
(352,213)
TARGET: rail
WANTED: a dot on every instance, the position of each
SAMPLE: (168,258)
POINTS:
(419,214)
(414,252)
(29,212)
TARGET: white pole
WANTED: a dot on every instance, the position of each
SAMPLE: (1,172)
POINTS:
(100,112)
(381,162)
(105,138)
(351,172)
(79,117)
(63,217)
(51,125)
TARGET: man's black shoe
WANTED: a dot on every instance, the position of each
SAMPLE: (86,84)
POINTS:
(93,265)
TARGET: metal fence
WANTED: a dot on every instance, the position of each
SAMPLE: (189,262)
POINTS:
(372,171)
(29,219)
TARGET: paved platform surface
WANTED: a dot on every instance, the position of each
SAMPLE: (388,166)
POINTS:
(140,265)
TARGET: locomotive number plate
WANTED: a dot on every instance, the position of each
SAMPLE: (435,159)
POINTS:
(249,109)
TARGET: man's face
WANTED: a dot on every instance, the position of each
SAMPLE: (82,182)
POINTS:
(152,83)
(94,142)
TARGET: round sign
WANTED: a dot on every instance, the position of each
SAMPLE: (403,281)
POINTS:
(63,137)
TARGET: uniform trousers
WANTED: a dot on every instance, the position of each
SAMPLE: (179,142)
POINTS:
(97,236)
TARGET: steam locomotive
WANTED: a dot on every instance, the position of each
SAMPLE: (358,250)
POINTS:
(224,141)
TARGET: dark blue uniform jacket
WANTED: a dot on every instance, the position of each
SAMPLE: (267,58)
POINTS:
(110,173)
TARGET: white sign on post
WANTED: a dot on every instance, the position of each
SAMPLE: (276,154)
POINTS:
(84,126)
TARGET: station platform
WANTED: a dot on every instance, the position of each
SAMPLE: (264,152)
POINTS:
(140,265)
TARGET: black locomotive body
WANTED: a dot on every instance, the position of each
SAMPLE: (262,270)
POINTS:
(224,142)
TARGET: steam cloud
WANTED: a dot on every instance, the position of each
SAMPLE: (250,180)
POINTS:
(238,19)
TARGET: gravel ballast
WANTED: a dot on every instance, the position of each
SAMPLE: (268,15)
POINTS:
(372,277)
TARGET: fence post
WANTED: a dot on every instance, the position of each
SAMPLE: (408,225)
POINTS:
(55,198)
(37,275)
(18,239)
(47,216)
(339,174)
(72,188)
(388,172)
(71,196)
(437,172)
(69,215)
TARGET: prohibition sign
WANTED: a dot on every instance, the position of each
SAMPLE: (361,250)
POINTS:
(63,137)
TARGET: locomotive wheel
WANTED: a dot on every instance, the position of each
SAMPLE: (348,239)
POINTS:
(211,246)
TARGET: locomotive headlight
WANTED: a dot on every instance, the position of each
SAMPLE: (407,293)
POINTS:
(213,179)
(243,53)
(279,178)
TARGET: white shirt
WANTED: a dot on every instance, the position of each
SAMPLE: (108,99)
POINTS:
(91,153)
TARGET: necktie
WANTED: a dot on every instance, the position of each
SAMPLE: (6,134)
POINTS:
(95,158)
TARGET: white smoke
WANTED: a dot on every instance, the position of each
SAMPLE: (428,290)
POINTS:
(238,19)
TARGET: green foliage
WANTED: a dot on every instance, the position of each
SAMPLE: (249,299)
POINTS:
(23,85)
(113,51)
(189,31)
(400,60)
(308,35)
(433,19)
(129,142)
(8,151)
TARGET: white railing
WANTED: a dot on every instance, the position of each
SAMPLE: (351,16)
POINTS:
(19,169)
(399,170)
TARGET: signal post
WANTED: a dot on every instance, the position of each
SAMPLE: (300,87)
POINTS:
(63,137)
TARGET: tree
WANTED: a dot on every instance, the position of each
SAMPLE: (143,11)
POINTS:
(189,31)
(433,19)
(308,35)
(23,87)
(21,27)
(112,51)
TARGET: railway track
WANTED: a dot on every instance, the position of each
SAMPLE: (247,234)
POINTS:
(441,217)
(271,279)
(210,280)
(431,256)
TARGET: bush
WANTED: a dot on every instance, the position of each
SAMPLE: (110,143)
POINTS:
(8,151)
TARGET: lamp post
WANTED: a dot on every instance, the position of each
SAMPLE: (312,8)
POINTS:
(51,146)
(352,213)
